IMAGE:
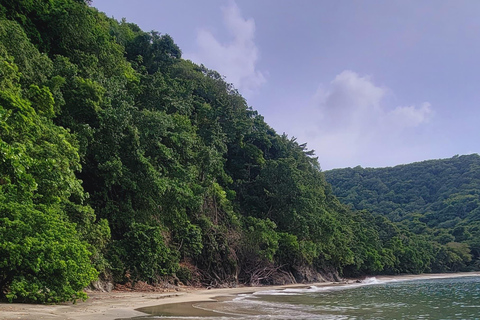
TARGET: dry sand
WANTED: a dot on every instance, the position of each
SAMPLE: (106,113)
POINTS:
(116,305)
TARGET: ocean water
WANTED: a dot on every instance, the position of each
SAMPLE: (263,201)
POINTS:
(452,298)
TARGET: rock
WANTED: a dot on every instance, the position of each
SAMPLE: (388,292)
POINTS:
(103,286)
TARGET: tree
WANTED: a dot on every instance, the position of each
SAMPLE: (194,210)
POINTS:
(42,257)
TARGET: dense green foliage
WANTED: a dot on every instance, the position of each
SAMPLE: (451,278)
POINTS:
(436,199)
(43,257)
(118,158)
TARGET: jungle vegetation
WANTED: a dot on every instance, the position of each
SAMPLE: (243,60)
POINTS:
(437,199)
(122,161)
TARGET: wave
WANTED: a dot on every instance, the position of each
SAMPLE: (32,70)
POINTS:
(312,289)
(372,280)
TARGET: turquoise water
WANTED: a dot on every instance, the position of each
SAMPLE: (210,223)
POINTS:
(454,298)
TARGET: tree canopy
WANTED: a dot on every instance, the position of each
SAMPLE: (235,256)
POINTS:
(121,160)
(438,199)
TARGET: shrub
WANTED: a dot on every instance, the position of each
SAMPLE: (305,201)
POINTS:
(41,257)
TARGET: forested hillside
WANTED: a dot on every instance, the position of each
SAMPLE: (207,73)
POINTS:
(119,160)
(437,198)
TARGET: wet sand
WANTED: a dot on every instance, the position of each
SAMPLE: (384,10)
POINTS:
(186,301)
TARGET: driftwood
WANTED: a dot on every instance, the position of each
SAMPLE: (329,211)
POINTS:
(260,272)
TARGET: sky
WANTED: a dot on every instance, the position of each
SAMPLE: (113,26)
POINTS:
(372,83)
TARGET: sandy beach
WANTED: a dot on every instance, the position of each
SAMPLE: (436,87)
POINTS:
(117,305)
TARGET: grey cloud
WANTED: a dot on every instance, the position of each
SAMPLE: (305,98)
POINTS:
(355,124)
(236,59)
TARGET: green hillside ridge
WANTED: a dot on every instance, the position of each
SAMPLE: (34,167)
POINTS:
(122,161)
(436,198)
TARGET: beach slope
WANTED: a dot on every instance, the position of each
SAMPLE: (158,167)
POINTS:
(115,305)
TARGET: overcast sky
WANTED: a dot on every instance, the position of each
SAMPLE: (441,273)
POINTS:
(370,83)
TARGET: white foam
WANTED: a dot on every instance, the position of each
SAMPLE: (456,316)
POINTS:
(371,280)
(313,289)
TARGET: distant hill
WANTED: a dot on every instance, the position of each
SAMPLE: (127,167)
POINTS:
(438,197)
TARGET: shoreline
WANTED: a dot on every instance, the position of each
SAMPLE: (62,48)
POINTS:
(116,305)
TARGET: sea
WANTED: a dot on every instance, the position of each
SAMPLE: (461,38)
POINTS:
(434,299)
